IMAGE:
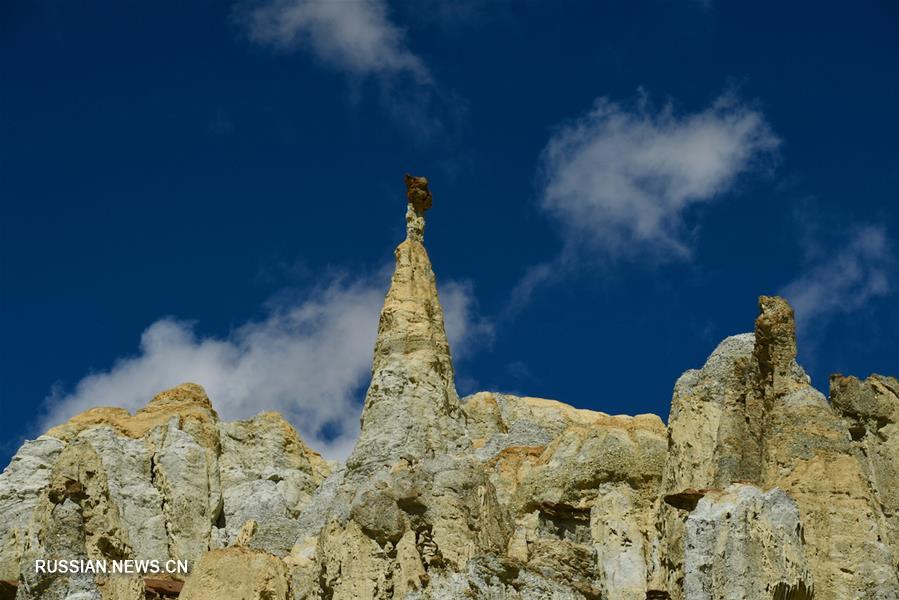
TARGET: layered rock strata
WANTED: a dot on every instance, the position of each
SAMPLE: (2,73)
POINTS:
(759,486)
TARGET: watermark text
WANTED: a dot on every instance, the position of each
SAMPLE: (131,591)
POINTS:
(111,567)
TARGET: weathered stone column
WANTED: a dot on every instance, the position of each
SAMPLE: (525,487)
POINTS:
(411,408)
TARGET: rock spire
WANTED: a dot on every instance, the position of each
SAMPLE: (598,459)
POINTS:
(412,407)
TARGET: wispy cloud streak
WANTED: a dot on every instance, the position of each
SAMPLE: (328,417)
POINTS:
(357,37)
(309,359)
(843,280)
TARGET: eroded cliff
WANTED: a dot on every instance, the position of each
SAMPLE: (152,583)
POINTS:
(759,487)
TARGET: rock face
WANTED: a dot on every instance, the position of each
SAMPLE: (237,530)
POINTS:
(759,487)
(237,573)
(870,411)
(743,543)
(268,476)
(579,486)
(170,482)
(23,481)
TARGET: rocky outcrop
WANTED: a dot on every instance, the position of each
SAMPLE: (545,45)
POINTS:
(21,485)
(752,395)
(580,487)
(870,411)
(268,476)
(170,482)
(75,519)
(161,464)
(711,440)
(759,487)
(807,453)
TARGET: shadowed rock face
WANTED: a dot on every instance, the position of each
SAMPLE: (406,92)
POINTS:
(757,488)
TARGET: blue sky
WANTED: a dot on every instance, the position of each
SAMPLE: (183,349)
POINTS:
(211,191)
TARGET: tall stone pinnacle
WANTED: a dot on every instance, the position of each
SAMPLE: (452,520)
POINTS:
(412,407)
(775,347)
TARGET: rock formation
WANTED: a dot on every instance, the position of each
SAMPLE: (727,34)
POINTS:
(758,487)
(170,482)
(412,408)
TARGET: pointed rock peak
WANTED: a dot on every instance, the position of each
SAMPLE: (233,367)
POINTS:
(775,345)
(412,408)
(420,200)
(776,325)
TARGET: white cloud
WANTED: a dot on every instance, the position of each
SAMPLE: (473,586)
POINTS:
(466,329)
(844,280)
(620,181)
(359,39)
(309,359)
(356,36)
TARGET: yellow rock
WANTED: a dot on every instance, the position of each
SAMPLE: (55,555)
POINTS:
(237,573)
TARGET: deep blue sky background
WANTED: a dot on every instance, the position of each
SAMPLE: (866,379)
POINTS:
(155,161)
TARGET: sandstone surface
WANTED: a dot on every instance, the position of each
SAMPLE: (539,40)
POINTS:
(237,572)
